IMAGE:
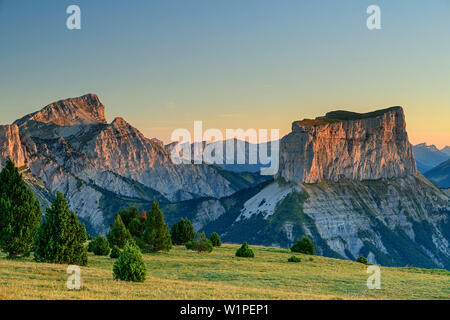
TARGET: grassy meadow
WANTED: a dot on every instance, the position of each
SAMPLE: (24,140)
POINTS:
(183,274)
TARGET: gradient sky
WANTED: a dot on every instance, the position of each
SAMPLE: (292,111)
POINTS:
(161,64)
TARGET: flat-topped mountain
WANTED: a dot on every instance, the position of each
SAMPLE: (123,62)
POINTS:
(349,182)
(348,145)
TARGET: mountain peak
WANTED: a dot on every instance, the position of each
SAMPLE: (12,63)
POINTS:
(86,109)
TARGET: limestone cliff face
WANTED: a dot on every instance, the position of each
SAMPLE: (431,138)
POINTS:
(11,146)
(347,145)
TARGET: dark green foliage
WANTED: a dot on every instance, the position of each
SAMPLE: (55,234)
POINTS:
(101,246)
(61,236)
(137,227)
(156,235)
(362,259)
(304,246)
(215,239)
(128,215)
(118,235)
(20,213)
(245,252)
(347,115)
(89,237)
(294,259)
(200,244)
(182,232)
(130,265)
(115,252)
(190,245)
(90,247)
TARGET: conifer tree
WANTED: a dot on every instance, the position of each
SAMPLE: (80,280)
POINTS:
(305,246)
(182,232)
(101,246)
(130,265)
(61,236)
(118,235)
(20,213)
(215,239)
(156,235)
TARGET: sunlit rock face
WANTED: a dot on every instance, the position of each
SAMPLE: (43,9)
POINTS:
(10,146)
(348,145)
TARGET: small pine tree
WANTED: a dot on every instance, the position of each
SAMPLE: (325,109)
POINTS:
(182,232)
(200,244)
(156,236)
(101,246)
(118,235)
(90,247)
(130,265)
(20,213)
(294,259)
(61,236)
(115,252)
(305,246)
(362,259)
(215,239)
(245,252)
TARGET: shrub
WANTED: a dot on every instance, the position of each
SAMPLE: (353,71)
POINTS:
(304,246)
(189,245)
(200,244)
(115,252)
(20,213)
(182,232)
(294,259)
(362,259)
(156,236)
(130,265)
(101,246)
(215,239)
(118,235)
(61,236)
(90,247)
(245,252)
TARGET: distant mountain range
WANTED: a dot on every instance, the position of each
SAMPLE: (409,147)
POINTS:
(433,163)
(347,180)
(429,156)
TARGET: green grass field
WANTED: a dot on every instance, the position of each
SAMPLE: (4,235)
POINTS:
(183,274)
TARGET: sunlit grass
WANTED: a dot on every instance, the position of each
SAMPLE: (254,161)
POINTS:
(183,274)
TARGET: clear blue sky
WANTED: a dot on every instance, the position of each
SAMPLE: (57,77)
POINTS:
(161,64)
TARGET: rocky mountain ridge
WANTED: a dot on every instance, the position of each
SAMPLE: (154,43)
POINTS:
(70,147)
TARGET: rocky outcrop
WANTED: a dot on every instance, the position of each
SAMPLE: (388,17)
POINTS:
(11,146)
(86,109)
(347,145)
